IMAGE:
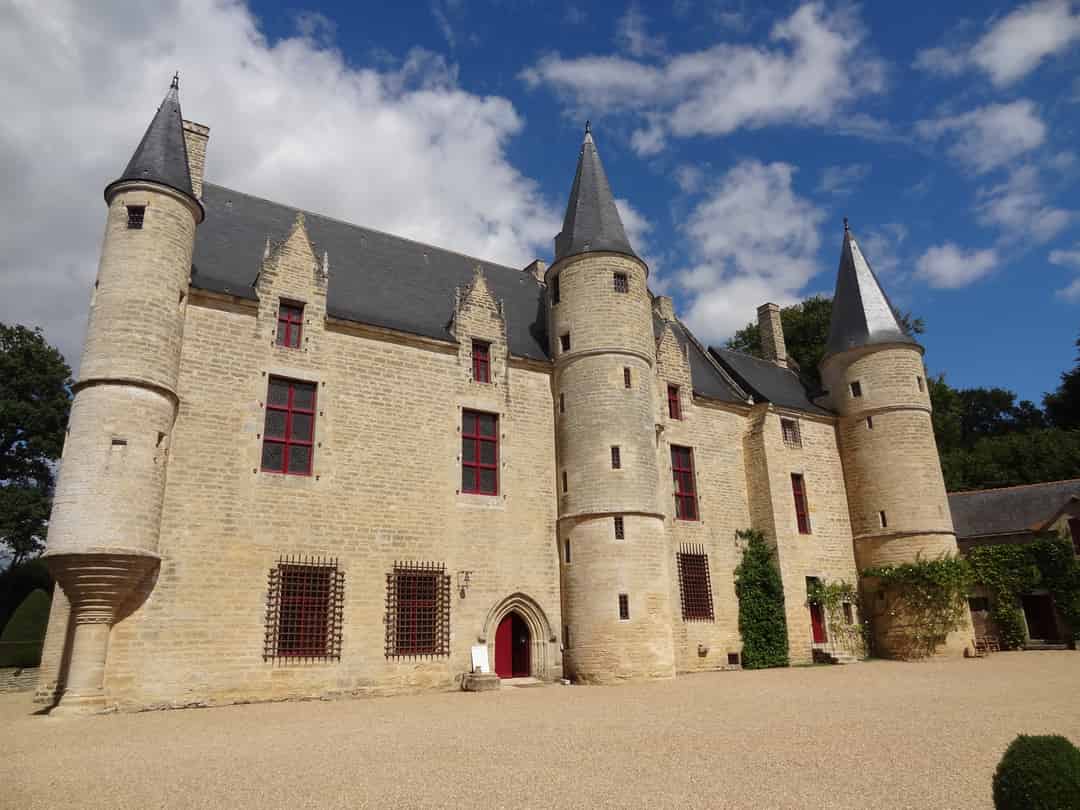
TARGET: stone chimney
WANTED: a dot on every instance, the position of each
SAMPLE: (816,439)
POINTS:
(663,307)
(195,138)
(772,334)
(536,269)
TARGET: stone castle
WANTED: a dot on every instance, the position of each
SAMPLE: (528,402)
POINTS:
(307,458)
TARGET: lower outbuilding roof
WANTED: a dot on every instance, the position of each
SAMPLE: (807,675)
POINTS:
(1010,510)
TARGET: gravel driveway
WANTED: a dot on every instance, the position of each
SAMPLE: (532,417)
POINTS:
(875,734)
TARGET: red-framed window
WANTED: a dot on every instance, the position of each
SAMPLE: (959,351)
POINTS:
(695,589)
(682,471)
(304,609)
(417,610)
(674,410)
(289,430)
(1074,530)
(481,361)
(290,324)
(802,515)
(479,453)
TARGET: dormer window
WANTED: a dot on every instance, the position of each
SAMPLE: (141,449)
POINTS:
(481,361)
(290,324)
(136,213)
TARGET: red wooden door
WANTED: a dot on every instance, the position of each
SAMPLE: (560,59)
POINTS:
(817,622)
(504,647)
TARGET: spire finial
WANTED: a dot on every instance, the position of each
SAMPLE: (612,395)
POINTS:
(175,81)
(588,126)
(846,228)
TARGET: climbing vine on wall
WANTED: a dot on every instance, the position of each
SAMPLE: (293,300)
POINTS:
(761,604)
(852,635)
(1009,571)
(925,601)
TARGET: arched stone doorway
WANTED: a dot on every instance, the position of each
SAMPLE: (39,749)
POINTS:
(542,645)
(513,645)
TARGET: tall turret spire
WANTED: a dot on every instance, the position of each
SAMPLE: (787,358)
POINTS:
(592,221)
(862,314)
(161,156)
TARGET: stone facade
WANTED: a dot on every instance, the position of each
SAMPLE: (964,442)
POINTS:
(167,532)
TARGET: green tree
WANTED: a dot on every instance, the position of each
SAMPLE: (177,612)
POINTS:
(1029,457)
(1063,405)
(762,622)
(35,398)
(806,331)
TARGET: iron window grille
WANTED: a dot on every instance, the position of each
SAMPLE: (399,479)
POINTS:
(290,324)
(289,430)
(622,283)
(695,588)
(479,453)
(682,471)
(136,214)
(620,528)
(673,406)
(798,491)
(624,607)
(481,361)
(616,459)
(304,609)
(791,432)
(417,610)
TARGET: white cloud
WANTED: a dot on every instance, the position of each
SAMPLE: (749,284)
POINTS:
(753,239)
(397,149)
(632,36)
(843,180)
(636,225)
(1068,258)
(881,245)
(1012,46)
(987,137)
(1019,206)
(813,67)
(950,266)
(689,178)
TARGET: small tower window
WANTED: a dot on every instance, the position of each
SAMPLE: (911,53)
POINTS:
(616,459)
(481,361)
(566,550)
(290,323)
(919,382)
(869,423)
(849,613)
(564,485)
(856,389)
(882,519)
(564,342)
(562,403)
(792,435)
(136,213)
(624,607)
(620,528)
(554,289)
(673,409)
(622,283)
(627,382)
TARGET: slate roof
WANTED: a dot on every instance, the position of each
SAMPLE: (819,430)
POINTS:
(862,314)
(375,278)
(1010,510)
(766,381)
(161,156)
(709,381)
(592,220)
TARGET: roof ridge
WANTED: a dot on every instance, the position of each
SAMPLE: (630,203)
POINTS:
(754,357)
(1014,486)
(329,218)
(728,378)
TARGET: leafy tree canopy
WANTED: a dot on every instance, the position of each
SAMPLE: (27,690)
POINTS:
(1063,405)
(35,397)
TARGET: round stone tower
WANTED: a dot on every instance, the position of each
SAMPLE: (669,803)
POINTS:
(103,532)
(616,585)
(875,379)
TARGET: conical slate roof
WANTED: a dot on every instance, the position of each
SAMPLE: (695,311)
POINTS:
(161,156)
(592,221)
(861,314)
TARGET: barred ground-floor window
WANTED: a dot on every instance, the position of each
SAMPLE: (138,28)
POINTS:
(417,610)
(304,609)
(695,589)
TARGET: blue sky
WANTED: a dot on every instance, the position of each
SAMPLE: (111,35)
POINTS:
(735,137)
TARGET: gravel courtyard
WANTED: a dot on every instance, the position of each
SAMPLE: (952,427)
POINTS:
(876,734)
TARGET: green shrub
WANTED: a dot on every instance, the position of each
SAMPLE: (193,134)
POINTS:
(761,605)
(24,634)
(1038,773)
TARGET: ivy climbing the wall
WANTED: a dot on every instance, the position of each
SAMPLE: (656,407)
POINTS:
(848,627)
(761,604)
(925,601)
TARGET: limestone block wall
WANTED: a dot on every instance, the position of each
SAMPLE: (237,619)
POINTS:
(385,488)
